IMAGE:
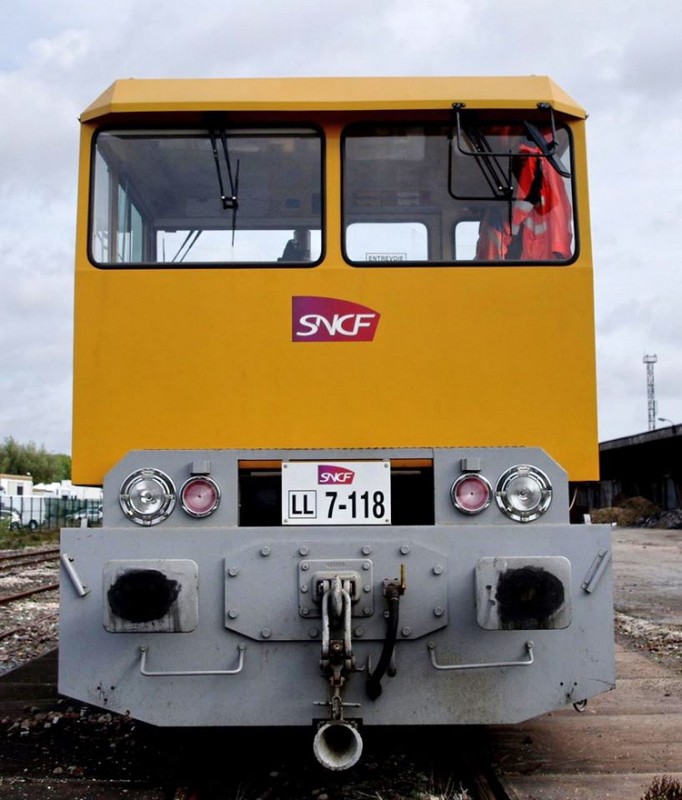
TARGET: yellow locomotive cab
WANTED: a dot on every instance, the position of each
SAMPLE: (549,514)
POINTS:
(186,350)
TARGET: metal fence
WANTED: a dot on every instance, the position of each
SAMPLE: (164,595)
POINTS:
(48,513)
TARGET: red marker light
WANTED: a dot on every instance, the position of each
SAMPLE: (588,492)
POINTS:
(200,496)
(471,493)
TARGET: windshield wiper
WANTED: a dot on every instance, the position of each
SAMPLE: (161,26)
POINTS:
(490,161)
(230,201)
(498,179)
(187,245)
(548,149)
(499,182)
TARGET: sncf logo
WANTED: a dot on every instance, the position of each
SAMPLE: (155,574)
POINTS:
(324,319)
(329,473)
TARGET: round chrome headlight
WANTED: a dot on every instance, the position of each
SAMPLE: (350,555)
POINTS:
(523,493)
(200,496)
(471,493)
(147,496)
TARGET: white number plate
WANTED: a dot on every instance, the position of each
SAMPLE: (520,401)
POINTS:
(336,492)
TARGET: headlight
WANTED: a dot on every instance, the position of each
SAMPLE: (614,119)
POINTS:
(471,493)
(200,496)
(523,493)
(147,496)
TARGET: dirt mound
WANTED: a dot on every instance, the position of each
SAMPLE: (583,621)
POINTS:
(628,514)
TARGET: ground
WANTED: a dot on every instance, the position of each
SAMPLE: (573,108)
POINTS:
(78,742)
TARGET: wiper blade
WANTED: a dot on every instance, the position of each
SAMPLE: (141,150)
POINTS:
(236,202)
(548,149)
(230,201)
(487,158)
(488,161)
(494,174)
(187,245)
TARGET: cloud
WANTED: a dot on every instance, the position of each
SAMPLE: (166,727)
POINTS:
(63,52)
(622,65)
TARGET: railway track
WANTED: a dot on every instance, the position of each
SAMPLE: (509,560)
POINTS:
(19,571)
(556,756)
(5,599)
(85,749)
(81,751)
(10,560)
(28,604)
(21,629)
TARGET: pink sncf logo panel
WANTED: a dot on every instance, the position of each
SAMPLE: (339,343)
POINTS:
(325,319)
(332,474)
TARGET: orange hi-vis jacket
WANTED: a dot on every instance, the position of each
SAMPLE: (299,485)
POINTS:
(541,217)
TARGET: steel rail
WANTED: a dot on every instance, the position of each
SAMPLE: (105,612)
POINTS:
(10,598)
(28,625)
(9,560)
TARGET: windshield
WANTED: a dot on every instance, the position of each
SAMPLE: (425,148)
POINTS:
(438,194)
(197,197)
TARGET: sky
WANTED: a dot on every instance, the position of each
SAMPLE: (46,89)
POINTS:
(621,61)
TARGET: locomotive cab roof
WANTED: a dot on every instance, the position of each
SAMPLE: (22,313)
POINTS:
(330,94)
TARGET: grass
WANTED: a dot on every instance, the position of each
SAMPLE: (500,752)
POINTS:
(16,540)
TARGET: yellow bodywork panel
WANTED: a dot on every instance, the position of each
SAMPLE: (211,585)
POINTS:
(204,357)
(318,94)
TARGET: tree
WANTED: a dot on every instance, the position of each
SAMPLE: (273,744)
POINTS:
(62,464)
(28,459)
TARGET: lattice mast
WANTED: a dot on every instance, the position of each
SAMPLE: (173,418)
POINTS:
(650,390)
